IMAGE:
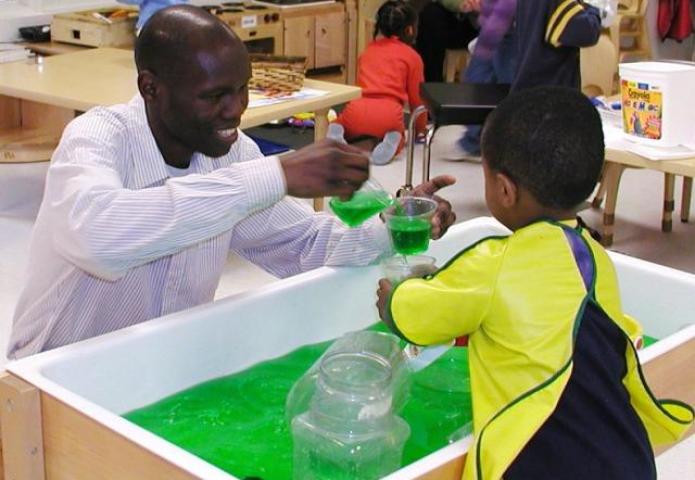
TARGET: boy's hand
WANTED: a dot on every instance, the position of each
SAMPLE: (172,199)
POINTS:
(444,217)
(383,294)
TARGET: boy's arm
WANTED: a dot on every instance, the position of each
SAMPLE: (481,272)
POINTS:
(448,304)
(573,24)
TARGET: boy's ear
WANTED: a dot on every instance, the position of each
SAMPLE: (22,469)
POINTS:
(508,190)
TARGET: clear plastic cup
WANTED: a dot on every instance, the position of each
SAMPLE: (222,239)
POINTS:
(409,224)
(366,202)
(398,268)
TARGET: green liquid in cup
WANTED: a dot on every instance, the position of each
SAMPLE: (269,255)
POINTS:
(360,206)
(410,235)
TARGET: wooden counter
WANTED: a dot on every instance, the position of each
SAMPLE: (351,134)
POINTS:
(106,76)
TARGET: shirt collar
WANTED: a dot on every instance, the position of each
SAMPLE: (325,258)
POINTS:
(151,169)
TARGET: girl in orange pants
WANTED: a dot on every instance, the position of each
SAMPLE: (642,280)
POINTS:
(390,72)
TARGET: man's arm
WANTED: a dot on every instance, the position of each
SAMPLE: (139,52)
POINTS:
(106,228)
(290,238)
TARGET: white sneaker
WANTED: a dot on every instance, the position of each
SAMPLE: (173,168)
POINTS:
(384,152)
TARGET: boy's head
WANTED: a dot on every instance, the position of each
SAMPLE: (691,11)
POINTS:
(542,154)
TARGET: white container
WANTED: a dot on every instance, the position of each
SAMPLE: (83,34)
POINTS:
(658,102)
(85,387)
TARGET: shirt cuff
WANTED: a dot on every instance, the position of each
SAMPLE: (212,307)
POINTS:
(264,180)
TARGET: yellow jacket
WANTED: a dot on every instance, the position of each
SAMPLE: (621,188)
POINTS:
(520,299)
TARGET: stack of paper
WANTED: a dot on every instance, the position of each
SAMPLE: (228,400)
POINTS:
(11,52)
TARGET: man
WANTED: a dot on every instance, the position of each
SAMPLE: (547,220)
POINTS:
(144,200)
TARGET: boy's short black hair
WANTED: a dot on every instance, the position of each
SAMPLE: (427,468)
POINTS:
(548,140)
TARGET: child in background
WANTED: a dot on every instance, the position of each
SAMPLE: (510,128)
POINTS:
(557,391)
(390,73)
(148,8)
(493,60)
(548,35)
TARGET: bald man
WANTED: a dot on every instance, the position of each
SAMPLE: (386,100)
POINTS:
(145,200)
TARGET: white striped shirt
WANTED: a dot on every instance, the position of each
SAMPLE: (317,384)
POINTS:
(117,241)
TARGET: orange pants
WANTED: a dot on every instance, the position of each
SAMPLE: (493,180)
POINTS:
(372,117)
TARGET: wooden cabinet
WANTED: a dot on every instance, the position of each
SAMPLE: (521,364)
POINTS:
(329,40)
(316,32)
(299,35)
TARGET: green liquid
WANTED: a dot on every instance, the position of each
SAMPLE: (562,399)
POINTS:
(237,422)
(410,236)
(360,206)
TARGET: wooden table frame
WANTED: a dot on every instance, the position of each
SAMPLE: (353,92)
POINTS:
(616,163)
(75,82)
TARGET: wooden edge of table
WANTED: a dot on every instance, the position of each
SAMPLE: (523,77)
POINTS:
(337,94)
(684,167)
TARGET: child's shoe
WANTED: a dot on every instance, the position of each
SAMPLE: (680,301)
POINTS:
(462,151)
(385,151)
(336,132)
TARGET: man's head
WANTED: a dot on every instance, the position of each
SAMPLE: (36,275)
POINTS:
(193,73)
(546,143)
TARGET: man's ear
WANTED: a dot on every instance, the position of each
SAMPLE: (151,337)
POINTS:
(148,85)
(508,190)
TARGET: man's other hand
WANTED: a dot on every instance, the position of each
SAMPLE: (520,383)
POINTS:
(444,217)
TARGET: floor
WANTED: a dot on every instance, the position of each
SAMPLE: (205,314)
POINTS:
(637,233)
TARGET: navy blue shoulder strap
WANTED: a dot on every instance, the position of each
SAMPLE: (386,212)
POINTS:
(582,256)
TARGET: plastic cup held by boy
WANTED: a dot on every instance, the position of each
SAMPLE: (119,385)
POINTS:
(409,224)
(398,268)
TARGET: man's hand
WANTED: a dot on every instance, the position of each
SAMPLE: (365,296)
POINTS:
(467,6)
(325,168)
(444,217)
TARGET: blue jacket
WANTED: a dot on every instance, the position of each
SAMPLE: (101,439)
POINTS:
(549,34)
(149,7)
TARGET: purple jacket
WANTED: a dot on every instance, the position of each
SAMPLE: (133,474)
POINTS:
(496,17)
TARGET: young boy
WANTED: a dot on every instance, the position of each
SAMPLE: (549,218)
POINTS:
(556,386)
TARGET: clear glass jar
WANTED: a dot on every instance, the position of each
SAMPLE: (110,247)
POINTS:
(385,345)
(350,430)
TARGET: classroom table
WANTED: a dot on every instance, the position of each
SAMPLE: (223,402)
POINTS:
(57,87)
(618,160)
